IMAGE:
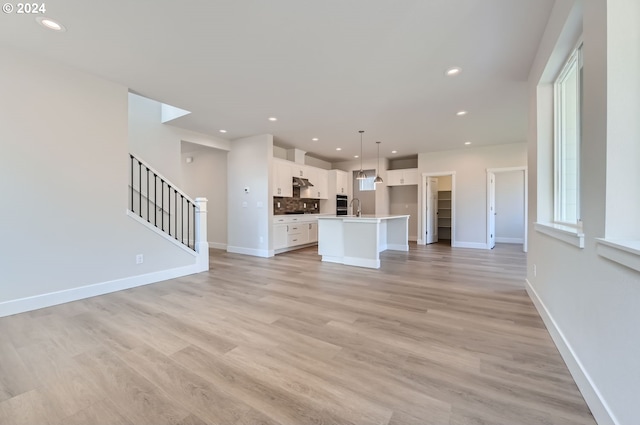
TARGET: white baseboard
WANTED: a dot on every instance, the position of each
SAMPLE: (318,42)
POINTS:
(473,245)
(250,251)
(599,407)
(397,247)
(22,305)
(509,240)
(218,245)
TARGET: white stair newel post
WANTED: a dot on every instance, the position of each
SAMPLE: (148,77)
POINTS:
(201,242)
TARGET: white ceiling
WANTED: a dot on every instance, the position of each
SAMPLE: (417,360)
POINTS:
(325,69)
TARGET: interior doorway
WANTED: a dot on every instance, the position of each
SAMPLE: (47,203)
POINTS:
(507,206)
(438,208)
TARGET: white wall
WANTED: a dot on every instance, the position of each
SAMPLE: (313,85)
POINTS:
(382,190)
(248,215)
(403,200)
(510,207)
(206,176)
(470,165)
(165,148)
(590,304)
(64,177)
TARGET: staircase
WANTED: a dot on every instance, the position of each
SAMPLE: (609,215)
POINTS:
(159,203)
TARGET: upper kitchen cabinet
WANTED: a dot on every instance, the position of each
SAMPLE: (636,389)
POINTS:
(301,171)
(341,179)
(282,179)
(404,177)
(320,180)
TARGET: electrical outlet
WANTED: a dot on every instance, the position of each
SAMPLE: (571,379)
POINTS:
(261,239)
(244,204)
(304,205)
(139,259)
(278,204)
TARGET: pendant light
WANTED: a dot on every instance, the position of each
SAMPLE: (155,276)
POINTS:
(378,178)
(361,175)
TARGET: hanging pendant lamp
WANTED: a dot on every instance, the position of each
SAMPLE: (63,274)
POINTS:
(361,175)
(378,179)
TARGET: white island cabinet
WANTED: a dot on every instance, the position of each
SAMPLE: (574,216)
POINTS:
(358,241)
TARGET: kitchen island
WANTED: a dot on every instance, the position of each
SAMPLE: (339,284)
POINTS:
(358,241)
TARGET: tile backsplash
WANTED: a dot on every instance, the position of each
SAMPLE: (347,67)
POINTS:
(295,204)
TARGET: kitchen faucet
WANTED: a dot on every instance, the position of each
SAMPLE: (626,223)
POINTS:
(358,212)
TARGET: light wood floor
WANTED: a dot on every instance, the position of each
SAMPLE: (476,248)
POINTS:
(436,336)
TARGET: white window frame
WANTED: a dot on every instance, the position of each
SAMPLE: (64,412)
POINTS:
(573,63)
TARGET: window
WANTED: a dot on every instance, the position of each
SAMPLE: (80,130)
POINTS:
(567,119)
(367,184)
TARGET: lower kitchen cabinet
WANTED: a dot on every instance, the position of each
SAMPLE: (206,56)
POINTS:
(280,239)
(291,232)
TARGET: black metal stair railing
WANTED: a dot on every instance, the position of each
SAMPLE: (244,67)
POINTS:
(161,204)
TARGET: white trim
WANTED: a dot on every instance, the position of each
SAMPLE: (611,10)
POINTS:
(625,252)
(35,302)
(525,170)
(422,225)
(598,406)
(473,245)
(567,234)
(265,253)
(159,232)
(510,240)
(395,247)
(217,245)
(360,262)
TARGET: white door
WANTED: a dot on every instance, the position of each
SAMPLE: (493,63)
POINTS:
(492,210)
(432,210)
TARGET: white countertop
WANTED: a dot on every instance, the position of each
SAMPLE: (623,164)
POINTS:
(364,217)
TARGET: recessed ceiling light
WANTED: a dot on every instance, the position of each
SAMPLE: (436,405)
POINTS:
(50,24)
(356,156)
(223,131)
(338,149)
(467,143)
(315,139)
(453,71)
(394,151)
(461,113)
(273,119)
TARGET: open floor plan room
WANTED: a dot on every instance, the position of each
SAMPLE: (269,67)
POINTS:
(435,336)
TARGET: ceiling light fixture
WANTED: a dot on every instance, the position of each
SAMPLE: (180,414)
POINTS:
(273,119)
(50,24)
(467,143)
(394,151)
(361,175)
(453,71)
(356,156)
(461,113)
(315,139)
(223,131)
(338,149)
(378,179)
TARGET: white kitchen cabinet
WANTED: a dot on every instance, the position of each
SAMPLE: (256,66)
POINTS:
(280,238)
(320,180)
(282,182)
(342,182)
(290,232)
(300,170)
(312,229)
(404,177)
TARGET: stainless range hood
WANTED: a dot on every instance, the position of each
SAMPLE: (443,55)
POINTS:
(300,182)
